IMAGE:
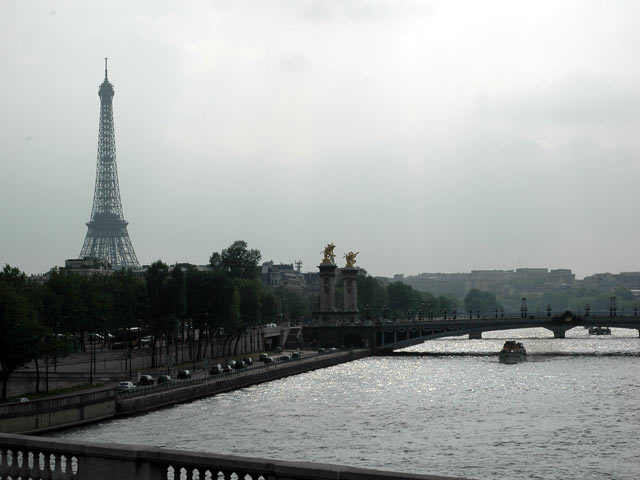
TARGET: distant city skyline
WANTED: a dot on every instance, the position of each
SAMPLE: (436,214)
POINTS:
(429,136)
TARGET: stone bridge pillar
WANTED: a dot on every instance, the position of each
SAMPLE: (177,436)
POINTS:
(350,283)
(327,287)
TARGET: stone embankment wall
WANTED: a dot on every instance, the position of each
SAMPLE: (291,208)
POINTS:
(71,410)
(130,405)
(58,412)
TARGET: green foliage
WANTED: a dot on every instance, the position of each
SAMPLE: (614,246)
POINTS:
(237,260)
(293,305)
(572,299)
(250,291)
(478,300)
(20,330)
(371,293)
(402,298)
(268,306)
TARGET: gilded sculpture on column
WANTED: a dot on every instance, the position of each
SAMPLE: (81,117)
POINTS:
(329,256)
(351,258)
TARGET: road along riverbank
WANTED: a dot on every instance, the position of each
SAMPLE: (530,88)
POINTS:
(127,405)
(73,410)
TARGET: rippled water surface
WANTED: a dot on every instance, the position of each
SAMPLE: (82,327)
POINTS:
(572,411)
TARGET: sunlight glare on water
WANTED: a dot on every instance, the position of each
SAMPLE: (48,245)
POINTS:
(555,416)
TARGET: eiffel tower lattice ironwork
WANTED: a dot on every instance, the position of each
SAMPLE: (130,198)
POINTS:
(107,235)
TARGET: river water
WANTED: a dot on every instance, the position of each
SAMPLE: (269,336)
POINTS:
(571,411)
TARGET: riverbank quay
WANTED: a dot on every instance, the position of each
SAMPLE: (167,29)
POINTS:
(37,457)
(65,411)
(128,404)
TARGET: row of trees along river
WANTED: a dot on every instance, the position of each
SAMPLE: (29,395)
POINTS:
(42,321)
(38,318)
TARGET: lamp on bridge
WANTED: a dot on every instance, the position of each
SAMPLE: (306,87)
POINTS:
(612,306)
(523,308)
(548,310)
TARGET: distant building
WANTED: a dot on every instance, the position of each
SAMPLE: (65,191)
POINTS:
(521,280)
(608,282)
(285,275)
(88,266)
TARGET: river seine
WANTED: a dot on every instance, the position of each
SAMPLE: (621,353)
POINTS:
(571,411)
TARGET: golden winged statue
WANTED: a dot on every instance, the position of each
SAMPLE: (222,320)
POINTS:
(351,258)
(329,256)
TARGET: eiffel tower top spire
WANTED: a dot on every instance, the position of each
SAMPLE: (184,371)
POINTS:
(107,235)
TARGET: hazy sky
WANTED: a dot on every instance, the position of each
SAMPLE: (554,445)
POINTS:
(429,136)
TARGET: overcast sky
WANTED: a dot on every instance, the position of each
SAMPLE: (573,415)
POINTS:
(430,136)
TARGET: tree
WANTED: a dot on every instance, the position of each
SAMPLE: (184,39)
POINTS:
(401,297)
(158,303)
(292,304)
(237,260)
(20,332)
(250,291)
(371,293)
(478,300)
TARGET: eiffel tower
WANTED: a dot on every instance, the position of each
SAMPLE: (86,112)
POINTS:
(107,235)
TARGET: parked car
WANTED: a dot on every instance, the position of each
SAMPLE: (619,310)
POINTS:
(184,374)
(247,361)
(277,350)
(240,365)
(263,356)
(232,363)
(227,368)
(284,358)
(126,387)
(216,370)
(23,399)
(268,360)
(321,350)
(295,355)
(164,379)
(333,349)
(146,380)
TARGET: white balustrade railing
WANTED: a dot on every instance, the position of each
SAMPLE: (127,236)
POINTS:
(59,459)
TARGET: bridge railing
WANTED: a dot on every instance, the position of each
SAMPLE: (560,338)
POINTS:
(49,458)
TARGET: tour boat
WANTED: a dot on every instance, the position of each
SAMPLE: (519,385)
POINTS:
(512,352)
(599,331)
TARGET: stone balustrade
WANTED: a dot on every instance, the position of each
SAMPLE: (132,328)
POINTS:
(60,459)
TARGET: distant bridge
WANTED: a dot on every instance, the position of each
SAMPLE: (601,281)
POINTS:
(388,335)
